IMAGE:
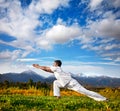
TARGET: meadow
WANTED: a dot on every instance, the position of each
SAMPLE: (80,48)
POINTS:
(13,99)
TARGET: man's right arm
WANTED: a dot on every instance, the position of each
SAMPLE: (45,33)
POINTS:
(44,68)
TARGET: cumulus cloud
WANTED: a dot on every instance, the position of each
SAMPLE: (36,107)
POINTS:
(21,23)
(8,55)
(94,3)
(103,35)
(24,46)
(43,43)
(108,24)
(62,33)
(45,6)
(107,28)
(97,4)
(58,34)
(113,3)
(16,23)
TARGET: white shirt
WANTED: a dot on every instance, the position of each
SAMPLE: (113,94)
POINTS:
(60,75)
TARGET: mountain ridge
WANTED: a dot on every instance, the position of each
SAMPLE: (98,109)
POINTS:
(103,81)
(21,77)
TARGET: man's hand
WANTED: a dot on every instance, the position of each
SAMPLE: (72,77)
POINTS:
(36,65)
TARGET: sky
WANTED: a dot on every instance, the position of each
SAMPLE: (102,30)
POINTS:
(84,34)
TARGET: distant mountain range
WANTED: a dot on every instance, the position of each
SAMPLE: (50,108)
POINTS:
(98,81)
(21,77)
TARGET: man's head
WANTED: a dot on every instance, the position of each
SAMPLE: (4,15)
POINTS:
(57,63)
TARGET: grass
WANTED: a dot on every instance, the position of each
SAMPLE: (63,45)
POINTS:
(49,103)
(13,99)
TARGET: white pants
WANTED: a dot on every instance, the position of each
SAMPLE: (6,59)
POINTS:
(74,85)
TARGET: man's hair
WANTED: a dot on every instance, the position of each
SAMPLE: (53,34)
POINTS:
(58,62)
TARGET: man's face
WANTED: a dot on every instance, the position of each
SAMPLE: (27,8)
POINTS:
(54,64)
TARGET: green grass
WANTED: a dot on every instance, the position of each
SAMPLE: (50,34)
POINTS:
(49,103)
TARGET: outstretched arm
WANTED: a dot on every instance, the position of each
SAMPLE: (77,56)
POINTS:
(44,68)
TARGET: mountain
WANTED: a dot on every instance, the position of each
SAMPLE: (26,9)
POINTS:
(21,77)
(97,81)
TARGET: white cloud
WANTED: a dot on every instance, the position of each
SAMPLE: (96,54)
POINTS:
(97,4)
(12,56)
(8,67)
(5,55)
(109,28)
(113,3)
(94,3)
(16,68)
(45,6)
(101,47)
(113,55)
(89,69)
(93,70)
(62,33)
(21,22)
(112,46)
(102,35)
(117,59)
(27,60)
(25,46)
(116,3)
(18,23)
(86,69)
(8,55)
(57,34)
(43,43)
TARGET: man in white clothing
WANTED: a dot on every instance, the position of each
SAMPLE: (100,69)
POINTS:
(65,80)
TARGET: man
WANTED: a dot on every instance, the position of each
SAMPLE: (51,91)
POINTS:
(65,80)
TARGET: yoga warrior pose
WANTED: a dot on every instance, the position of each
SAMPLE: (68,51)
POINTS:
(65,80)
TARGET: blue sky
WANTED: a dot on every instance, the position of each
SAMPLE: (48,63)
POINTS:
(84,34)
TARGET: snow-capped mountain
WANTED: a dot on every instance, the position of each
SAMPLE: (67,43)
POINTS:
(97,81)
